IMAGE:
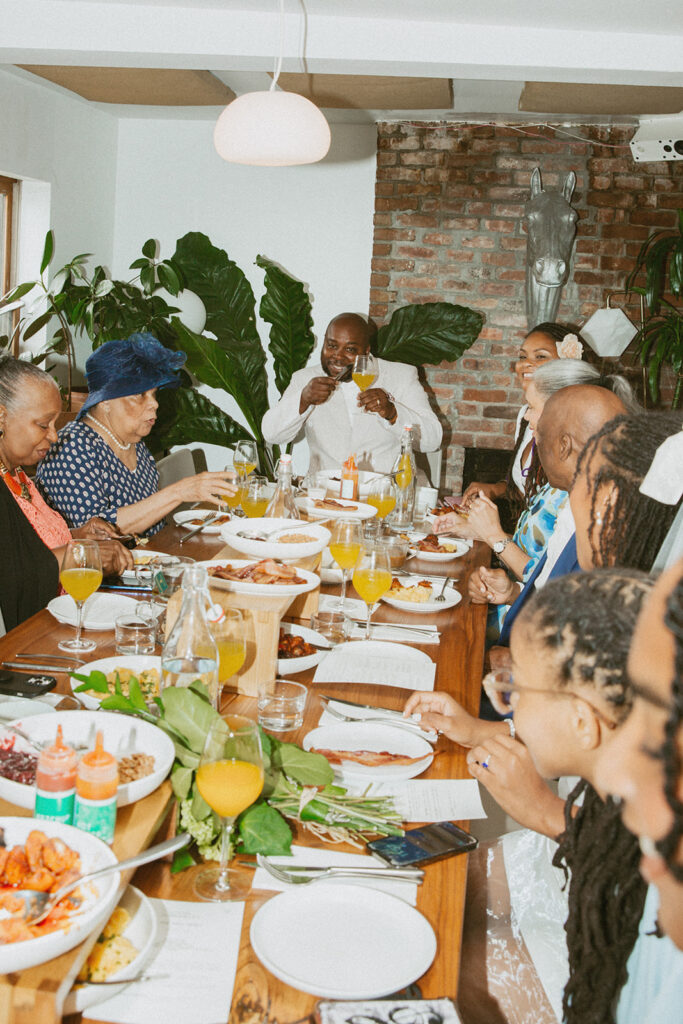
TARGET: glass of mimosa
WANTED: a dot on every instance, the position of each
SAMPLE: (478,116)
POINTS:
(255,497)
(80,575)
(231,501)
(345,544)
(382,496)
(228,634)
(245,458)
(365,371)
(372,577)
(230,779)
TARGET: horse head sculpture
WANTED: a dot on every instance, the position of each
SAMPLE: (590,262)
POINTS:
(551,227)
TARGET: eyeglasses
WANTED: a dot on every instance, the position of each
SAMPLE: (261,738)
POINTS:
(501,689)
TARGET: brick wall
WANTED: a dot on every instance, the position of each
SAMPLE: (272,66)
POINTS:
(449,227)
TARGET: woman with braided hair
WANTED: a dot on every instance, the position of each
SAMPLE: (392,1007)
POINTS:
(644,769)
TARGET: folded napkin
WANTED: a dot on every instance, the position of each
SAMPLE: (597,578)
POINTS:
(407,891)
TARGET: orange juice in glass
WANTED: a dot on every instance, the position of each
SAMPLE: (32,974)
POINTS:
(382,496)
(345,547)
(372,577)
(245,458)
(228,635)
(365,371)
(255,499)
(80,575)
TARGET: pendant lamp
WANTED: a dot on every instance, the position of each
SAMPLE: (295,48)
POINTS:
(272,128)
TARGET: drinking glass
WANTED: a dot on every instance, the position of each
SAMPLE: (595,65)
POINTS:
(228,633)
(382,496)
(231,501)
(345,545)
(256,498)
(80,575)
(230,779)
(245,458)
(372,577)
(365,371)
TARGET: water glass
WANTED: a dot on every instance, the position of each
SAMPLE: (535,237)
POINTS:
(135,635)
(333,626)
(281,705)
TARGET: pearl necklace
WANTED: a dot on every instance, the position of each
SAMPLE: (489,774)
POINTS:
(112,435)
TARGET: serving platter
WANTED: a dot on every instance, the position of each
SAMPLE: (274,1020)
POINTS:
(264,589)
(135,662)
(271,548)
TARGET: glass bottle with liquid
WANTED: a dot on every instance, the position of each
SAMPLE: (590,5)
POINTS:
(190,652)
(404,473)
(282,504)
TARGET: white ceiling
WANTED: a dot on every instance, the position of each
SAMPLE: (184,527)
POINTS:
(489,49)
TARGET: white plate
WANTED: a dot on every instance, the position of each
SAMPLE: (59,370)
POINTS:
(99,897)
(333,478)
(372,736)
(183,519)
(130,575)
(141,931)
(452,597)
(271,549)
(351,510)
(289,666)
(24,707)
(138,662)
(123,735)
(241,587)
(99,612)
(461,548)
(352,942)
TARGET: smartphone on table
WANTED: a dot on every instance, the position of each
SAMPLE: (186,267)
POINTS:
(18,684)
(423,845)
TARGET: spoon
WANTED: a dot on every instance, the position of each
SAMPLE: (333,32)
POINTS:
(37,905)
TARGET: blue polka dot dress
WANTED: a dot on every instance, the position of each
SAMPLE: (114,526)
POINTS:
(82,477)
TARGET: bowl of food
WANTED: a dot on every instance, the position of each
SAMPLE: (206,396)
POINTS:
(146,668)
(288,539)
(59,849)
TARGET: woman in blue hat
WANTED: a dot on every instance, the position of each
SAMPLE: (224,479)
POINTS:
(100,465)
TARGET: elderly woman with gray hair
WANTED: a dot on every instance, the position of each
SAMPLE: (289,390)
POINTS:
(521,551)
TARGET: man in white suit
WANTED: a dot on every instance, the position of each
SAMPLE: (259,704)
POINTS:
(339,420)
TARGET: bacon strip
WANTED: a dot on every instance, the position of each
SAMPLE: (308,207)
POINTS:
(371,758)
(265,571)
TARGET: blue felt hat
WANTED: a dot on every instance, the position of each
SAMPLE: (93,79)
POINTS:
(130,366)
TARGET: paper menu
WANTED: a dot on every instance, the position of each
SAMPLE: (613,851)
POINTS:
(433,800)
(194,941)
(379,663)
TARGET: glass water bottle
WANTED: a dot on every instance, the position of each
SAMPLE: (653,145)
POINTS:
(403,474)
(282,504)
(190,652)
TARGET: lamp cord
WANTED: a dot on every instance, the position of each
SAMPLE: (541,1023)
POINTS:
(278,63)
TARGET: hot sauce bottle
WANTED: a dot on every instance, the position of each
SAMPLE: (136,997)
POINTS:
(97,783)
(349,479)
(56,781)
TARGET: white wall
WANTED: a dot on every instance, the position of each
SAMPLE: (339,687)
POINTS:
(316,221)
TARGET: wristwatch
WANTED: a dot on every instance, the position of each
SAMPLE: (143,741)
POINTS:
(500,545)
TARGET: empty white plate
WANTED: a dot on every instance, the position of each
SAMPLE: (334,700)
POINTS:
(99,612)
(352,942)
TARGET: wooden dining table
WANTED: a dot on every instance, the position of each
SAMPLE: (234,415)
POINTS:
(258,996)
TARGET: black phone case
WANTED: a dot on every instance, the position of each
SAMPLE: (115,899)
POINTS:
(18,684)
(423,845)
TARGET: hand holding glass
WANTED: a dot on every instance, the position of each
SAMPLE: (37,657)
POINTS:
(230,779)
(231,501)
(345,548)
(372,577)
(80,575)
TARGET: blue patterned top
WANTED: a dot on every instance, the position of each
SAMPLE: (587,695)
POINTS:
(82,477)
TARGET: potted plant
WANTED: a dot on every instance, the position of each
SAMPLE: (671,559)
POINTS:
(659,341)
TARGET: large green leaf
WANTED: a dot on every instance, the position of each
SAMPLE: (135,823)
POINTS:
(231,316)
(185,416)
(287,307)
(428,333)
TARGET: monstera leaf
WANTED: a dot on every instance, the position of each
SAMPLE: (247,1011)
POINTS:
(428,333)
(286,306)
(186,416)
(230,315)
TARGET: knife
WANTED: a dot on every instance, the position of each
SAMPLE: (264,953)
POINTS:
(365,707)
(30,666)
(207,522)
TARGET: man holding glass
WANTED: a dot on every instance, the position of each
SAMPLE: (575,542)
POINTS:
(340,416)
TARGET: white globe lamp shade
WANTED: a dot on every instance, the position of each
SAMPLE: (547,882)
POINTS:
(609,332)
(192,311)
(272,129)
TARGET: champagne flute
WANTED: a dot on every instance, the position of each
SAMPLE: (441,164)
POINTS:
(80,575)
(245,458)
(365,371)
(345,548)
(230,779)
(228,634)
(382,496)
(372,577)
(255,499)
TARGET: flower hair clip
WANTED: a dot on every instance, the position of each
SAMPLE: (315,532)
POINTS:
(569,348)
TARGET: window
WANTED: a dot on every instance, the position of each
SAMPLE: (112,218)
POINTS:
(7,187)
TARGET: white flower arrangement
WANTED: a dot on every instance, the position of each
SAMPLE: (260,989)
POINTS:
(569,348)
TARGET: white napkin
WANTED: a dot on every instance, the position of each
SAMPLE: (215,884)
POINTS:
(407,891)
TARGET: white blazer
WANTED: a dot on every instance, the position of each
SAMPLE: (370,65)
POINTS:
(339,428)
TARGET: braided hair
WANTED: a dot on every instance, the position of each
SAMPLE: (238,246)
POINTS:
(634,525)
(672,761)
(574,618)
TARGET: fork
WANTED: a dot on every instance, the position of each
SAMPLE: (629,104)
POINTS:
(298,874)
(412,727)
(440,596)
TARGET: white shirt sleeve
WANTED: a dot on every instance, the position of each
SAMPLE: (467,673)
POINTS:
(283,422)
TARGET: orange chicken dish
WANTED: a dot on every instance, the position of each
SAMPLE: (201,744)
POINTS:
(43,864)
